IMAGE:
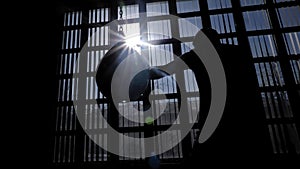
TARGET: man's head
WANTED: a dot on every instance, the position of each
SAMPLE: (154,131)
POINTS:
(212,34)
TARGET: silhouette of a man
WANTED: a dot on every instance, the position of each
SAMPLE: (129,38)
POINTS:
(240,134)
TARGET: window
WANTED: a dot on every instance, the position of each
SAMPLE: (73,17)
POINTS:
(262,46)
(129,12)
(71,146)
(189,26)
(184,6)
(292,42)
(269,74)
(289,16)
(219,4)
(157,8)
(159,30)
(98,15)
(256,20)
(251,3)
(223,23)
(278,1)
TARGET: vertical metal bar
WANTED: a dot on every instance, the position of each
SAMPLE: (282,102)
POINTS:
(205,14)
(278,138)
(273,141)
(283,137)
(59,149)
(63,118)
(55,149)
(64,150)
(174,146)
(85,149)
(101,152)
(69,148)
(73,150)
(66,119)
(219,25)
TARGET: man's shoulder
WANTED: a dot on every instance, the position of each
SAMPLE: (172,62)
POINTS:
(190,55)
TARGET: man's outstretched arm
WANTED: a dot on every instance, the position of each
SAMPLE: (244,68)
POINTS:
(158,72)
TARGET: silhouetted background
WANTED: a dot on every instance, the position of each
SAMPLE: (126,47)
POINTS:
(263,94)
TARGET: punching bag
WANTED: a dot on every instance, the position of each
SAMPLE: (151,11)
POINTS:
(121,52)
